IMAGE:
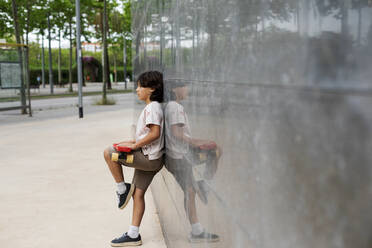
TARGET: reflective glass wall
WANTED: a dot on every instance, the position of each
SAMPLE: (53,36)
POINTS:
(268,117)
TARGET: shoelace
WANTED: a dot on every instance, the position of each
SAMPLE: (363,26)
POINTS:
(122,236)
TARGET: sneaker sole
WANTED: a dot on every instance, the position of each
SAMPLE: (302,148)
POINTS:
(129,196)
(136,243)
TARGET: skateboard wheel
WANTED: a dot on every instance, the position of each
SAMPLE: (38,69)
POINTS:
(114,156)
(130,158)
(202,156)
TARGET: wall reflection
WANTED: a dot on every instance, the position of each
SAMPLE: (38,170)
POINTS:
(284,89)
(192,161)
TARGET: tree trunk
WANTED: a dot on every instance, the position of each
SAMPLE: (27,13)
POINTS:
(345,17)
(106,54)
(116,74)
(136,68)
(298,16)
(359,24)
(125,61)
(105,75)
(59,59)
(145,47)
(50,59)
(27,59)
(173,55)
(262,15)
(42,62)
(18,38)
(70,61)
(193,39)
(162,36)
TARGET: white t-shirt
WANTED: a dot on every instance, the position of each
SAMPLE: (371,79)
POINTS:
(175,115)
(151,114)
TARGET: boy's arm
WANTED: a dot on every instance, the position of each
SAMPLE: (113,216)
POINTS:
(126,142)
(178,133)
(150,137)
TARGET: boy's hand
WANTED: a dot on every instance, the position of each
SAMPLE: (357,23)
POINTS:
(132,146)
(125,143)
(203,144)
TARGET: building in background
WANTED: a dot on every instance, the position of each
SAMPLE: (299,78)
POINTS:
(91,47)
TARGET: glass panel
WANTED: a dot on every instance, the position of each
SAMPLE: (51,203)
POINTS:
(272,102)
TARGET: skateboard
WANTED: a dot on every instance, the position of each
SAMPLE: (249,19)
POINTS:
(204,160)
(204,153)
(123,153)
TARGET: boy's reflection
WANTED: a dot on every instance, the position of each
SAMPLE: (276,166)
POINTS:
(184,155)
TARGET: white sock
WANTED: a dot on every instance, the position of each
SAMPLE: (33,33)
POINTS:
(133,231)
(196,228)
(121,187)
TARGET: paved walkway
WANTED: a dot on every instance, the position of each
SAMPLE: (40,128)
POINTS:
(55,188)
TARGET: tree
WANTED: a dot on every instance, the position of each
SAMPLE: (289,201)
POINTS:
(359,5)
(120,34)
(25,13)
(59,21)
(20,55)
(106,66)
(41,25)
(70,13)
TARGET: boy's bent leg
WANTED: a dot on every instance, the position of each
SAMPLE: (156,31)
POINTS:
(115,168)
(125,190)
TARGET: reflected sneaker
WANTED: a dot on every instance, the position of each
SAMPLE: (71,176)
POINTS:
(123,199)
(204,237)
(125,240)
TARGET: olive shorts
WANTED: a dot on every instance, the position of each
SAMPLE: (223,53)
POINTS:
(145,169)
(181,169)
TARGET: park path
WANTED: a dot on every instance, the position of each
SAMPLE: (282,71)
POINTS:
(55,188)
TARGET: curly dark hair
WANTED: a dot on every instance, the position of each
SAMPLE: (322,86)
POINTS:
(153,80)
(169,85)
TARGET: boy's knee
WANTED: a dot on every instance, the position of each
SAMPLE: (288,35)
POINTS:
(106,153)
(139,194)
(191,192)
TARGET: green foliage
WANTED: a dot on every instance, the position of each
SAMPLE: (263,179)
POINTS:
(35,57)
(32,18)
(65,72)
(9,55)
(120,73)
(6,28)
(37,72)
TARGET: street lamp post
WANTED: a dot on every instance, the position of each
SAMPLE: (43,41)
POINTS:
(79,66)
(50,58)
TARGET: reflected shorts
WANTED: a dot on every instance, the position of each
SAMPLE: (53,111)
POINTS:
(181,169)
(145,169)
